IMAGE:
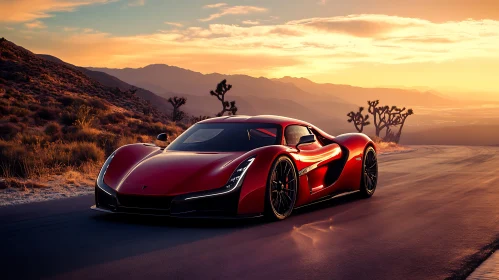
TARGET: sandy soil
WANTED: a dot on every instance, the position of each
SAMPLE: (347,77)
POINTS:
(14,191)
(69,184)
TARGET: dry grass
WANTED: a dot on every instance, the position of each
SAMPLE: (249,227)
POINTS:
(57,126)
(387,147)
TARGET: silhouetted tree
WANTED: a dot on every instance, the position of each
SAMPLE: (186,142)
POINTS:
(380,115)
(132,91)
(219,93)
(198,118)
(384,117)
(398,118)
(359,120)
(177,102)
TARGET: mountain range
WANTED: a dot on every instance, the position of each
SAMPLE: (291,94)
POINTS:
(325,105)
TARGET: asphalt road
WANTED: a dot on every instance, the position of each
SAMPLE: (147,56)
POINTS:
(434,215)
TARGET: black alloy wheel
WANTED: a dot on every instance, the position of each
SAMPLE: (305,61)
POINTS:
(282,189)
(369,172)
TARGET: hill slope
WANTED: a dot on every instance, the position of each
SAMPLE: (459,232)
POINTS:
(359,95)
(110,81)
(55,119)
(252,95)
(325,104)
(161,78)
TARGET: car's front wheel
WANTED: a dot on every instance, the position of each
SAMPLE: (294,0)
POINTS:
(369,175)
(282,189)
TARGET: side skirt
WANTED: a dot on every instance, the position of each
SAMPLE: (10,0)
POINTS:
(326,198)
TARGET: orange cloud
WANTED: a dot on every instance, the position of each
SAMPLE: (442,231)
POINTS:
(233,10)
(35,24)
(250,22)
(176,24)
(136,3)
(28,10)
(434,10)
(217,5)
(294,49)
(357,25)
(285,31)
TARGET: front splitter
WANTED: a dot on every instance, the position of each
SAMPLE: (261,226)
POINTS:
(186,215)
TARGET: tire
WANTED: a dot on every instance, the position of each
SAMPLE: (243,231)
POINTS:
(282,189)
(369,179)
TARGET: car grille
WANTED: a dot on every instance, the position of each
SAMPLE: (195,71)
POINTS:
(145,202)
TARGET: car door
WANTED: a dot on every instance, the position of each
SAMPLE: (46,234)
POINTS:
(312,159)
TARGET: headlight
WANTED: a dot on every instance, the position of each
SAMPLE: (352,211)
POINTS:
(102,173)
(235,181)
(237,177)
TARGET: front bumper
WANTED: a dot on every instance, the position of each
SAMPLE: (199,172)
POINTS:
(207,204)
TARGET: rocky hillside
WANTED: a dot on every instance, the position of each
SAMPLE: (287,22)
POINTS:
(23,71)
(56,119)
(160,103)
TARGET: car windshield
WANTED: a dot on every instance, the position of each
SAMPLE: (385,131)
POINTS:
(227,137)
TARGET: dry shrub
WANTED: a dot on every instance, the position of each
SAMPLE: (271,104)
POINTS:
(85,152)
(9,130)
(84,117)
(173,130)
(108,142)
(19,111)
(16,160)
(376,139)
(13,119)
(68,117)
(47,114)
(4,109)
(384,146)
(98,104)
(53,130)
(86,134)
(71,101)
(34,160)
(122,141)
(113,118)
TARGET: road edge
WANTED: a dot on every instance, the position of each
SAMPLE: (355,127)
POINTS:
(472,262)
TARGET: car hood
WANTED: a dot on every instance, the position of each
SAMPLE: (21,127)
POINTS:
(176,172)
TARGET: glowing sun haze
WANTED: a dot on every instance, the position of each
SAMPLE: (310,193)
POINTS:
(438,43)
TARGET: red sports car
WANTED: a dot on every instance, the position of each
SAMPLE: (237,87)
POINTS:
(237,166)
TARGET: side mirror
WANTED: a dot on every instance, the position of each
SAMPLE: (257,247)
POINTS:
(306,140)
(162,137)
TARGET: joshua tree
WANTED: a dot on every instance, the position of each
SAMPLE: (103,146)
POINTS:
(219,93)
(400,116)
(380,115)
(359,120)
(384,117)
(177,102)
(199,118)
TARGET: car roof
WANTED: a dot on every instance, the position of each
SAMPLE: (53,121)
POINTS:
(272,119)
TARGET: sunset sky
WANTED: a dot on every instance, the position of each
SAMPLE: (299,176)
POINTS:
(442,44)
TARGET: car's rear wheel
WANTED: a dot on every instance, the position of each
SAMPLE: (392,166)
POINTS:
(369,179)
(282,189)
